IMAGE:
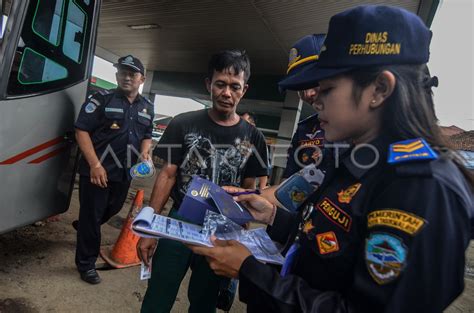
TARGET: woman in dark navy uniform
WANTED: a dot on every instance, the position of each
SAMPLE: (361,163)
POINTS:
(388,228)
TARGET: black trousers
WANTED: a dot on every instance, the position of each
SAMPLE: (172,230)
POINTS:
(97,206)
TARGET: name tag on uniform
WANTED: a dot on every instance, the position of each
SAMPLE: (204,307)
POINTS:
(116,110)
(145,115)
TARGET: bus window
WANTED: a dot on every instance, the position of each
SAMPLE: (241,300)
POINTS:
(47,20)
(74,35)
(54,47)
(36,69)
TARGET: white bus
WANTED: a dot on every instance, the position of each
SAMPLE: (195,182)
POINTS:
(46,53)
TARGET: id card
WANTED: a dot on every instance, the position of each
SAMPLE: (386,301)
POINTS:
(145,271)
(294,191)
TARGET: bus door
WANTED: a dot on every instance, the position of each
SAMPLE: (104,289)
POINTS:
(46,54)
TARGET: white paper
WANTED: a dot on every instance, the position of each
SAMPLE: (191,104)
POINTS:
(148,224)
(158,226)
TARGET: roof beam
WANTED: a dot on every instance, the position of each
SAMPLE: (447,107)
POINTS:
(106,54)
(427,10)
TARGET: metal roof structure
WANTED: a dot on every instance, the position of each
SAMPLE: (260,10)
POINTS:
(182,34)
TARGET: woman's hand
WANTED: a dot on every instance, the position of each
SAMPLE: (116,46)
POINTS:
(225,258)
(261,209)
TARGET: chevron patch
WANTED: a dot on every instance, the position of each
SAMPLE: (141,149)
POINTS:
(411,150)
(408,147)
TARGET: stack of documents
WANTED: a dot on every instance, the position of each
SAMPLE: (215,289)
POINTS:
(149,224)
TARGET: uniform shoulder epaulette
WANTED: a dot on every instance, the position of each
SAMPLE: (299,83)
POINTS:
(149,101)
(309,119)
(100,97)
(105,92)
(411,150)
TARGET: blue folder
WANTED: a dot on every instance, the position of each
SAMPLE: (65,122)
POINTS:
(229,208)
(203,195)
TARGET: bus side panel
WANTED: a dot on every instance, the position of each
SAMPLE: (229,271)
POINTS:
(37,155)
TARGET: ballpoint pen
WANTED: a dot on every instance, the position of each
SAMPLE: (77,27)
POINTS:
(248,192)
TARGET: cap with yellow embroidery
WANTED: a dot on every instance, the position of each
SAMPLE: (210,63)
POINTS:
(368,35)
(303,53)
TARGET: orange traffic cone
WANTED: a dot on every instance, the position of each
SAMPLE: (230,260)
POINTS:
(124,252)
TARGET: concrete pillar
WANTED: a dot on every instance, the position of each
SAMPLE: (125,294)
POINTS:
(288,124)
(146,91)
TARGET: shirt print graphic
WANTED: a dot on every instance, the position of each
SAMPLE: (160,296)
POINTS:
(220,163)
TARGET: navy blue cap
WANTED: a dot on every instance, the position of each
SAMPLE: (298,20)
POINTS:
(132,63)
(368,36)
(303,53)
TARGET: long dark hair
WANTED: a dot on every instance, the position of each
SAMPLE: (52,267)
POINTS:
(409,111)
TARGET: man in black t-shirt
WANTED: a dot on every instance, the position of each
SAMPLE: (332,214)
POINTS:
(215,144)
(225,155)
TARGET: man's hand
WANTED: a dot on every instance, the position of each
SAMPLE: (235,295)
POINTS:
(261,209)
(145,156)
(145,249)
(225,258)
(98,176)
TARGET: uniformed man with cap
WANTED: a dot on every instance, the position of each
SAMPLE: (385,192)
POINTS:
(308,141)
(113,130)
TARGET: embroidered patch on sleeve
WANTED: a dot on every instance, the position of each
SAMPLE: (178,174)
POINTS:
(335,214)
(327,242)
(404,221)
(385,256)
(90,107)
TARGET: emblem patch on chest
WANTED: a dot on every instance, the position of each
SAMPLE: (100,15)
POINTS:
(310,143)
(308,226)
(345,196)
(335,214)
(114,125)
(327,242)
(385,256)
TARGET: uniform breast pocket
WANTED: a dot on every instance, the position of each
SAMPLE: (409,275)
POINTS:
(114,118)
(144,119)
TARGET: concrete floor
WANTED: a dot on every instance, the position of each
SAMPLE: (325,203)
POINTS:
(37,272)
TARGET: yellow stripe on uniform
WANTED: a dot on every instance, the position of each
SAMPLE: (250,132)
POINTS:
(409,147)
(304,60)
